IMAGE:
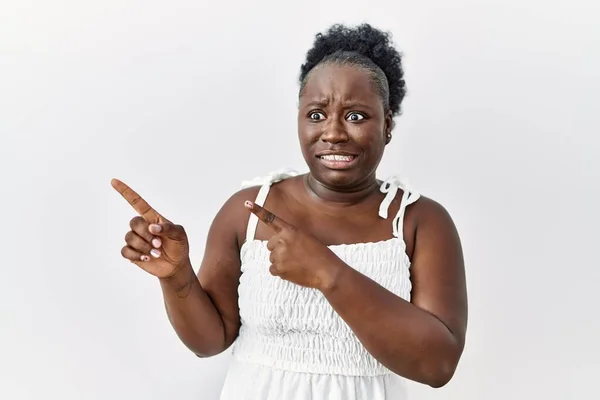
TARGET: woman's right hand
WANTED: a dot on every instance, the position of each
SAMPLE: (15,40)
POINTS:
(154,243)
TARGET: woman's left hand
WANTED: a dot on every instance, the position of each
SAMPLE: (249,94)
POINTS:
(296,256)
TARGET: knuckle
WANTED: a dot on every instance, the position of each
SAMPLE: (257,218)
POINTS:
(180,230)
(136,222)
(269,217)
(135,200)
(142,246)
(128,236)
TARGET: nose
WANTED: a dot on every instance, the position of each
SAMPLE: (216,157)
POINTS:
(334,132)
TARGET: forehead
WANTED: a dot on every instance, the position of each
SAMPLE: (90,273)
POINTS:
(340,82)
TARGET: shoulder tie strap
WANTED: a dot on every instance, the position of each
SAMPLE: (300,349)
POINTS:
(265,183)
(390,187)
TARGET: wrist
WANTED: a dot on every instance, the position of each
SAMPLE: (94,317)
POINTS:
(180,277)
(332,276)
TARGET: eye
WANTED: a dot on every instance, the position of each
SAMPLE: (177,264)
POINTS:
(316,116)
(355,117)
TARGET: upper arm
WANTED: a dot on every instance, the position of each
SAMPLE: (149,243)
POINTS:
(437,269)
(219,271)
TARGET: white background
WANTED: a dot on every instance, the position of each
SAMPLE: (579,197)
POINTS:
(185,99)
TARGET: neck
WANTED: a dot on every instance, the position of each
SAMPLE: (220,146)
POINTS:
(341,196)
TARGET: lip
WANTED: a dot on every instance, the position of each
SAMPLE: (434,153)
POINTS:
(335,152)
(337,164)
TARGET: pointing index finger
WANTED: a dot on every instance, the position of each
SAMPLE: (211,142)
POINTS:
(266,216)
(135,200)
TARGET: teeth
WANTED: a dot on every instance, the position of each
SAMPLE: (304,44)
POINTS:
(335,157)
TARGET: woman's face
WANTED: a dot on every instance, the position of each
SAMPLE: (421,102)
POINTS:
(342,125)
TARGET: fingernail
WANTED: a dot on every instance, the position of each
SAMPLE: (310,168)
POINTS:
(156,242)
(155,253)
(154,228)
(248,204)
(144,258)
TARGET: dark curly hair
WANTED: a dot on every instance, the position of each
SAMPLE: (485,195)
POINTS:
(366,47)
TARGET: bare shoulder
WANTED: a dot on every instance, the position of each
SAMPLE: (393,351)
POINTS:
(434,230)
(429,211)
(233,216)
(424,216)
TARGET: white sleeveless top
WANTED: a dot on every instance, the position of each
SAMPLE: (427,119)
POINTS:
(292,345)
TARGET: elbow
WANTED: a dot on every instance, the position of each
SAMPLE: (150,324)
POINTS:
(205,344)
(207,350)
(204,349)
(207,353)
(438,366)
(435,372)
(441,379)
(439,372)
(438,369)
(199,355)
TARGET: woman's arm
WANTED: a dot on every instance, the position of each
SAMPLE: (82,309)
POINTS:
(203,308)
(422,340)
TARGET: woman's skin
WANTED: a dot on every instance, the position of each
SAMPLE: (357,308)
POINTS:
(337,202)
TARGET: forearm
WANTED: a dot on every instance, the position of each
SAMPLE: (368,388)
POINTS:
(192,313)
(406,339)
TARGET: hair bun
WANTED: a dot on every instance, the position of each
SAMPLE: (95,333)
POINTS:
(368,41)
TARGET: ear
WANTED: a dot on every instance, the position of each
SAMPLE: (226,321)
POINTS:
(389,126)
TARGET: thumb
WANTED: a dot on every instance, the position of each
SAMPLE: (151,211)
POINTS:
(168,230)
(266,216)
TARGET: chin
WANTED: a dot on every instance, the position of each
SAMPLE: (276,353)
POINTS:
(336,178)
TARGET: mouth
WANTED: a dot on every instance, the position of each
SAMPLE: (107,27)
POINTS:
(338,161)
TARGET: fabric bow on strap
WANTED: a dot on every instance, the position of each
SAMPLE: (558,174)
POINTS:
(390,187)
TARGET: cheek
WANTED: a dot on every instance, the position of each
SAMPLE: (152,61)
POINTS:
(370,138)
(306,141)
(308,133)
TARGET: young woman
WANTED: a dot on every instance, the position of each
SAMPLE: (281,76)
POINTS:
(332,284)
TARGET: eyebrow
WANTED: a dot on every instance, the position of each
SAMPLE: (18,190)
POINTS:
(347,104)
(318,103)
